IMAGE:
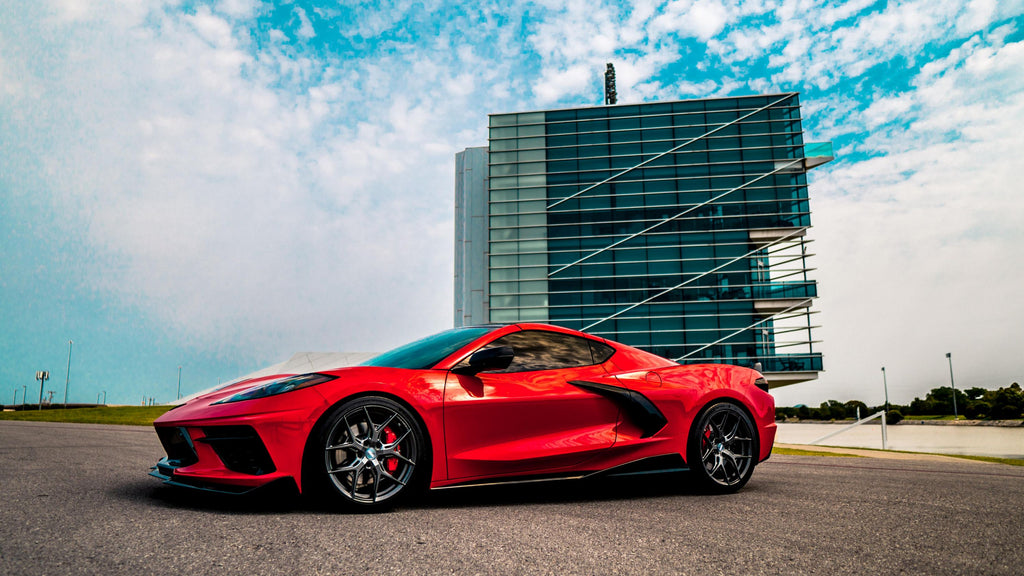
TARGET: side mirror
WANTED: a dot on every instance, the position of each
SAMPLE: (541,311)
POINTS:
(487,360)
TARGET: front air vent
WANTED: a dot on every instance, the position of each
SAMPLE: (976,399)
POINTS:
(177,445)
(239,448)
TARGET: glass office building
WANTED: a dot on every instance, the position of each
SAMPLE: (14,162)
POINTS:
(676,227)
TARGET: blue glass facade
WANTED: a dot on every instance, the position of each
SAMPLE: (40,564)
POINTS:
(676,227)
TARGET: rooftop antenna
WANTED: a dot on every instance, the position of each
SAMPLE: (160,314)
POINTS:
(609,85)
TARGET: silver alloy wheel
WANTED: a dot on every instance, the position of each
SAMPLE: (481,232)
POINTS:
(371,451)
(726,445)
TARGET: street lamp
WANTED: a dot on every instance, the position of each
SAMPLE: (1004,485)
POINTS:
(42,376)
(68,380)
(951,384)
(885,386)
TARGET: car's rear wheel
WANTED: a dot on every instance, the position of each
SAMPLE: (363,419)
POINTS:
(722,448)
(373,453)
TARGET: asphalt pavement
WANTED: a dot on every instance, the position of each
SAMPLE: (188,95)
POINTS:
(75,499)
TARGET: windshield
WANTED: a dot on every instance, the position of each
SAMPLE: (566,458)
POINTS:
(424,353)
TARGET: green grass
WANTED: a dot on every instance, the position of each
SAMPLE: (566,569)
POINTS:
(799,452)
(125,415)
(1009,461)
(994,459)
(933,417)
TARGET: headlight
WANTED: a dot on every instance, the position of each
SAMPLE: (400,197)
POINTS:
(280,386)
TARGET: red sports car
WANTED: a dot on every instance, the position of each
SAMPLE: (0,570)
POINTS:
(474,405)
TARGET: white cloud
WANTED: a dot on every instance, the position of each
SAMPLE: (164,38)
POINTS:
(237,8)
(885,110)
(259,201)
(702,19)
(305,26)
(822,43)
(573,81)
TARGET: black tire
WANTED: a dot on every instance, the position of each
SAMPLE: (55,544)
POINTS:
(722,449)
(369,454)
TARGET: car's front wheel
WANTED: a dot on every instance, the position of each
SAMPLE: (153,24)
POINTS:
(373,452)
(722,448)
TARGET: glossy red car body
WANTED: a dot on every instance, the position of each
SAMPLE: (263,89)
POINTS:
(480,428)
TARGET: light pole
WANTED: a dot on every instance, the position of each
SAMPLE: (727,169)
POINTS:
(951,384)
(179,382)
(24,392)
(42,376)
(68,380)
(885,386)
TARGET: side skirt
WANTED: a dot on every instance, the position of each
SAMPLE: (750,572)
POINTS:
(666,464)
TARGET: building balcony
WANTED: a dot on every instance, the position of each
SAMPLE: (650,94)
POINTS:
(791,363)
(786,369)
(785,290)
(778,297)
(761,236)
(817,153)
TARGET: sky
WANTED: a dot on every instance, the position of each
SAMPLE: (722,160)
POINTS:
(217,185)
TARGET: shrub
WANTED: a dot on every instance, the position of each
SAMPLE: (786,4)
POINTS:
(976,410)
(893,417)
(1006,412)
(853,405)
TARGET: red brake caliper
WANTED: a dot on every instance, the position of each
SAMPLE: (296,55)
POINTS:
(391,464)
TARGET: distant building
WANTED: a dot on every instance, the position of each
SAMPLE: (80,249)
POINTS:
(676,227)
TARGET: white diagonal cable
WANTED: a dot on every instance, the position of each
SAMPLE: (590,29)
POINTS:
(684,144)
(802,304)
(671,218)
(697,277)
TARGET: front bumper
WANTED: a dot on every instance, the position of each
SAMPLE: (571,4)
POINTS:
(234,453)
(165,468)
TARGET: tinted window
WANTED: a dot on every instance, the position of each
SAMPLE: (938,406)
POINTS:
(539,350)
(601,352)
(424,353)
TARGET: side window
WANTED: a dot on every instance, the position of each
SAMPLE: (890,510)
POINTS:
(539,350)
(601,352)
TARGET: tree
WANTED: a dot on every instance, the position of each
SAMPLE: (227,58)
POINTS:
(975,393)
(923,407)
(976,409)
(1008,402)
(853,405)
(822,412)
(835,408)
(943,398)
(893,417)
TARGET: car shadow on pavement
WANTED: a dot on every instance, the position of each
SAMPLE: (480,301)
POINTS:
(274,499)
(561,492)
(284,498)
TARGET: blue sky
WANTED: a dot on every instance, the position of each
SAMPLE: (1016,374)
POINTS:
(216,185)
